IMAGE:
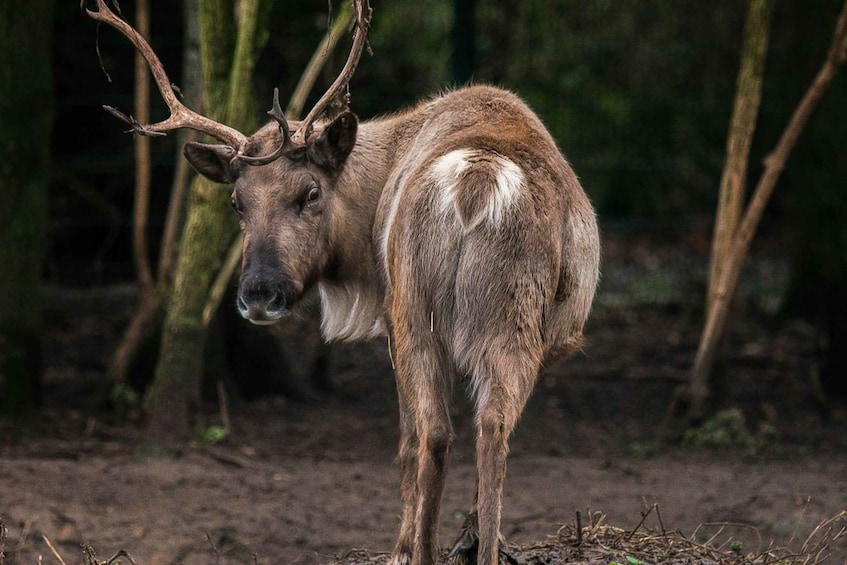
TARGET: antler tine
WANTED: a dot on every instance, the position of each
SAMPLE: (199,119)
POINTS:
(276,113)
(137,127)
(360,35)
(181,116)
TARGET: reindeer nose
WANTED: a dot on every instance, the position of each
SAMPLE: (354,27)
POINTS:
(261,301)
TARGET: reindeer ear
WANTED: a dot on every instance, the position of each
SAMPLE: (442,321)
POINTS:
(335,142)
(211,161)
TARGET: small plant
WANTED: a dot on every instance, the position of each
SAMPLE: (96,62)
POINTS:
(728,429)
(124,396)
(643,448)
(629,561)
(211,435)
(2,541)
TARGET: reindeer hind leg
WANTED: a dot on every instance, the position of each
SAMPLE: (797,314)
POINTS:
(407,460)
(501,394)
(423,382)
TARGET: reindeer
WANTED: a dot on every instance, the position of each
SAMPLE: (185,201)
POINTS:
(456,228)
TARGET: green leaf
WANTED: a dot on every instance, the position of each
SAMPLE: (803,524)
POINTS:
(211,435)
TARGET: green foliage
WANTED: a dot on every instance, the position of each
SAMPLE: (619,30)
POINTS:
(629,561)
(637,94)
(728,430)
(643,448)
(123,396)
(210,435)
(736,546)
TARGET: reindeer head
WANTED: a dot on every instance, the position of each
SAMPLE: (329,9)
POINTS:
(284,209)
(284,180)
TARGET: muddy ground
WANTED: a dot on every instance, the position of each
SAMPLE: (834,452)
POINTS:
(313,479)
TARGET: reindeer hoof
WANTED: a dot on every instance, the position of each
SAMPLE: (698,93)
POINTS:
(464,551)
(467,556)
(465,548)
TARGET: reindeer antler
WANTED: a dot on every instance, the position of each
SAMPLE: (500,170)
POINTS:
(276,113)
(361,24)
(183,117)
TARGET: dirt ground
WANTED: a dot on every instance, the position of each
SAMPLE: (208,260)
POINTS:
(312,480)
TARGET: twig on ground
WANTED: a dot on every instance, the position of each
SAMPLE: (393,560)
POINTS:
(118,555)
(214,549)
(88,555)
(722,526)
(2,541)
(578,528)
(823,536)
(641,523)
(797,523)
(53,550)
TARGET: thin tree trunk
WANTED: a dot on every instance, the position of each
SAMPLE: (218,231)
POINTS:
(182,176)
(26,120)
(143,318)
(742,126)
(141,206)
(774,163)
(748,95)
(149,314)
(173,398)
(318,61)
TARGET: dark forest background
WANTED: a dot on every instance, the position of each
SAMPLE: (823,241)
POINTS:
(637,93)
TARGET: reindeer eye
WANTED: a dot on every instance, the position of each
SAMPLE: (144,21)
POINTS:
(313,195)
(233,201)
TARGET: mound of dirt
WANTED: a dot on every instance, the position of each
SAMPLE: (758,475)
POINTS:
(594,544)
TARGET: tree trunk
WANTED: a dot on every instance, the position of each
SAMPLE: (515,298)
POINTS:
(742,126)
(716,317)
(143,166)
(26,107)
(229,44)
(748,95)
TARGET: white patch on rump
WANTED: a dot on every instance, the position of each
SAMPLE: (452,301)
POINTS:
(509,183)
(449,171)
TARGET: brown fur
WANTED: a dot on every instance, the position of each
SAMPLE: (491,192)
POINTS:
(457,228)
